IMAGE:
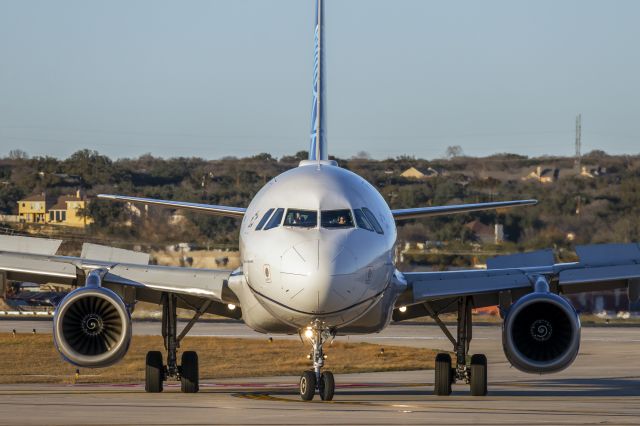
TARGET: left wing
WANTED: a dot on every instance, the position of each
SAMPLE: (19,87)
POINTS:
(600,267)
(402,214)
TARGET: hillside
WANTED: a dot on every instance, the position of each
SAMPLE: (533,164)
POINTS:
(600,205)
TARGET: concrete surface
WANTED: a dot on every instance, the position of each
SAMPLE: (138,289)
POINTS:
(602,387)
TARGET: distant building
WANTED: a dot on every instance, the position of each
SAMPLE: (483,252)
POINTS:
(413,173)
(177,218)
(487,234)
(543,175)
(33,209)
(66,210)
(594,172)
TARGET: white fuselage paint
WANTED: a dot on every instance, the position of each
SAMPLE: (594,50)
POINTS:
(294,276)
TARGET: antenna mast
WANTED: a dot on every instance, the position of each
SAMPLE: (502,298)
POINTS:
(578,158)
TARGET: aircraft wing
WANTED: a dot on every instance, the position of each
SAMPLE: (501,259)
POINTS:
(128,273)
(600,267)
(237,212)
(418,212)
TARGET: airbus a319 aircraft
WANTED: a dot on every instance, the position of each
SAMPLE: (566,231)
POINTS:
(317,252)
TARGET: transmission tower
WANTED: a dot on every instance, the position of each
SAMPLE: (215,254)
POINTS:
(578,158)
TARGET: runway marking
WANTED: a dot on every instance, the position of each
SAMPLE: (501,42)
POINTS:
(427,406)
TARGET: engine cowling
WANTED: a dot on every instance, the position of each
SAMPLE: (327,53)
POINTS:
(541,333)
(92,327)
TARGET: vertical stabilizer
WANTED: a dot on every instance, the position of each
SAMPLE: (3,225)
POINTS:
(318,145)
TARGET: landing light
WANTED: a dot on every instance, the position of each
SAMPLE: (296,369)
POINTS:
(231,306)
(308,333)
(402,309)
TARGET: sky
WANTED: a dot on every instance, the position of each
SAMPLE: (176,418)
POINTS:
(222,78)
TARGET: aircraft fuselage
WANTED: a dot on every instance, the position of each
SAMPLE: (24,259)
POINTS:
(311,251)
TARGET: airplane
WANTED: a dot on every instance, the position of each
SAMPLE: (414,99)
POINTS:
(317,260)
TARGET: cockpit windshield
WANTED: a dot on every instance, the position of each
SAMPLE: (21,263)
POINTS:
(275,220)
(301,218)
(336,219)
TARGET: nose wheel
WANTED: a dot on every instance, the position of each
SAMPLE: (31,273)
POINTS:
(316,379)
(308,385)
(327,386)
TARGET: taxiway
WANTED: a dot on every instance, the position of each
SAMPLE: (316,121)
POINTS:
(602,387)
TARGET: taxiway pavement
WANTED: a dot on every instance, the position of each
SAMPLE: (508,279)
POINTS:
(602,387)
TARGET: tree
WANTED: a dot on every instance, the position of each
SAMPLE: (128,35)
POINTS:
(362,155)
(454,151)
(18,154)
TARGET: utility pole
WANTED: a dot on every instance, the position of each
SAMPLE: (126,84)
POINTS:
(578,159)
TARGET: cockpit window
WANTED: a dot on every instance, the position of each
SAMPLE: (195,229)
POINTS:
(264,219)
(373,220)
(275,220)
(362,221)
(301,218)
(336,219)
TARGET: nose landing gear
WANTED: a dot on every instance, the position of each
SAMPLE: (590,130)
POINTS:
(312,380)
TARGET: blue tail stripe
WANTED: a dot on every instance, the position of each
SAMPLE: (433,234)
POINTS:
(318,139)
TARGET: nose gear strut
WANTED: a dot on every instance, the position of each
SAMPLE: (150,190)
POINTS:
(316,379)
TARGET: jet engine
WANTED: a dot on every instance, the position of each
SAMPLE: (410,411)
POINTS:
(541,333)
(92,327)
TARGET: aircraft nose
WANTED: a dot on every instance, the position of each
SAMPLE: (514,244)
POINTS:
(319,276)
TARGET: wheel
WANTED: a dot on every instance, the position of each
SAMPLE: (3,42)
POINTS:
(154,372)
(443,375)
(478,375)
(189,381)
(327,386)
(307,385)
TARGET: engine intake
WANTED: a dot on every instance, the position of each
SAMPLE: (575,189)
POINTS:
(92,327)
(541,333)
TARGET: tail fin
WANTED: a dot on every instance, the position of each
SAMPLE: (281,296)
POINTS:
(318,146)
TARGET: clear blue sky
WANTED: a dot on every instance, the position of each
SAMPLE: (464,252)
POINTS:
(233,77)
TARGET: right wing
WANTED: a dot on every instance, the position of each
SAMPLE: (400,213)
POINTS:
(237,212)
(128,273)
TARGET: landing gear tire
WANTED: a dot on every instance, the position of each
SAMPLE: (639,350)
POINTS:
(327,386)
(478,375)
(189,380)
(308,385)
(154,372)
(443,375)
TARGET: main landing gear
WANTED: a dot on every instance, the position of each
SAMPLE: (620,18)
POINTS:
(475,372)
(312,380)
(187,372)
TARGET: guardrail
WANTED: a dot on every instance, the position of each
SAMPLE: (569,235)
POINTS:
(27,314)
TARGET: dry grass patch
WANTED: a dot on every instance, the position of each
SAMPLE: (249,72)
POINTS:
(34,359)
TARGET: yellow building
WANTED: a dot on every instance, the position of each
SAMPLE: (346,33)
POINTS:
(412,173)
(33,209)
(66,210)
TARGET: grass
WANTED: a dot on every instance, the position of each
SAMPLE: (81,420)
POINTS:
(30,358)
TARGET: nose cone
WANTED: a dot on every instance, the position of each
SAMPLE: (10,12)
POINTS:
(320,276)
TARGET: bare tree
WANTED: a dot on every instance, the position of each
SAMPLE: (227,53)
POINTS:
(362,155)
(18,154)
(454,151)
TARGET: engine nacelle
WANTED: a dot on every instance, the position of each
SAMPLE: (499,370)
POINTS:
(92,327)
(541,333)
